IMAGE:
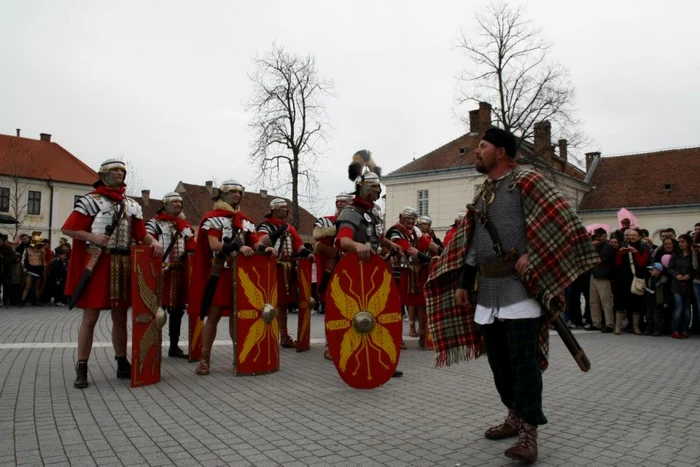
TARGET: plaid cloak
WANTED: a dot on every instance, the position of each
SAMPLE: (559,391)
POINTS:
(559,250)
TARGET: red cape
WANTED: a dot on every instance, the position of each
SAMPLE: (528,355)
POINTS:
(201,269)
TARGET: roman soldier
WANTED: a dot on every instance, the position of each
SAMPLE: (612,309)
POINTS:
(222,231)
(451,233)
(360,225)
(415,246)
(289,247)
(327,255)
(35,264)
(425,224)
(177,237)
(103,225)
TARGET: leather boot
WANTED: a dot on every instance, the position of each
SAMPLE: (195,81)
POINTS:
(619,317)
(123,367)
(81,373)
(507,429)
(525,448)
(636,318)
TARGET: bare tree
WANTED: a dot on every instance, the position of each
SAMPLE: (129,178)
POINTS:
(511,66)
(16,162)
(134,182)
(289,121)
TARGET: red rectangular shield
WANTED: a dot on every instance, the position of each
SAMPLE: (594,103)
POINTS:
(147,316)
(255,324)
(304,323)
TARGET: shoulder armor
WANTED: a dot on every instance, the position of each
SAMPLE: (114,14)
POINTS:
(248,226)
(350,215)
(153,228)
(265,227)
(88,205)
(214,223)
(133,208)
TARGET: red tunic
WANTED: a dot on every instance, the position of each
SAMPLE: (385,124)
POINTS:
(422,244)
(448,236)
(96,293)
(203,255)
(181,295)
(286,287)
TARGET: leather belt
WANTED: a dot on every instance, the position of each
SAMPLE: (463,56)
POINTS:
(497,270)
(118,251)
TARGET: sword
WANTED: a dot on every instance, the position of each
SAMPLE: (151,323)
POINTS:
(95,252)
(572,344)
(210,289)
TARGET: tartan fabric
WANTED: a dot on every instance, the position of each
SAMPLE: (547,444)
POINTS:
(559,250)
(512,348)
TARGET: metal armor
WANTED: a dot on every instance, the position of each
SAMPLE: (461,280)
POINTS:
(225,224)
(283,245)
(165,230)
(368,225)
(103,210)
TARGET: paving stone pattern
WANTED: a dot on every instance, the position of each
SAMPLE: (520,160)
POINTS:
(639,406)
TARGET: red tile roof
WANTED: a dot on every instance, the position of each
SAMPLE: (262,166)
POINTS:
(197,201)
(42,160)
(459,153)
(641,180)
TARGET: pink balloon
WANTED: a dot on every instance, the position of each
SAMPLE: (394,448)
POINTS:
(665,259)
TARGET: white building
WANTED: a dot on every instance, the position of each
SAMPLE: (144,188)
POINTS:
(39,182)
(442,182)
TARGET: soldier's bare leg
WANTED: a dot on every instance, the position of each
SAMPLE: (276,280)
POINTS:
(208,336)
(85,336)
(412,321)
(119,342)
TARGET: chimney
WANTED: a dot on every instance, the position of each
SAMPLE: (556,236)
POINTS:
(484,116)
(543,141)
(563,149)
(18,131)
(209,184)
(590,157)
(263,193)
(480,119)
(146,197)
(45,137)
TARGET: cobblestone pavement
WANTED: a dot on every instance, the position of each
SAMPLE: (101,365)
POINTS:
(639,406)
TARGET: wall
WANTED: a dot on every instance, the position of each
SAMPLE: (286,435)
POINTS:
(62,207)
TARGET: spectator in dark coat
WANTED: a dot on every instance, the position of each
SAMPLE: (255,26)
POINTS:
(680,269)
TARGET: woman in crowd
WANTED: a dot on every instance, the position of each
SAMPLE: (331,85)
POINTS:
(632,259)
(681,270)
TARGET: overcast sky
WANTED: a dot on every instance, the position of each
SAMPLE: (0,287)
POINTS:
(164,83)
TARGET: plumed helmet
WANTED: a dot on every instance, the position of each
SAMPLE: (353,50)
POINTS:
(229,185)
(106,166)
(362,166)
(408,211)
(36,241)
(425,220)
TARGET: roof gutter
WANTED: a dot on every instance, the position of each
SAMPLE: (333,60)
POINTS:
(49,182)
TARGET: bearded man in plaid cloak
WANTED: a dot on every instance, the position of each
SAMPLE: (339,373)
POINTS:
(520,288)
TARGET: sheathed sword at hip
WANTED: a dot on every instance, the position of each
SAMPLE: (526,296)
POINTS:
(94,252)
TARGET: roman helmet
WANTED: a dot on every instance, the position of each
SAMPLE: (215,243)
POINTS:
(226,191)
(37,242)
(168,206)
(277,207)
(106,176)
(366,175)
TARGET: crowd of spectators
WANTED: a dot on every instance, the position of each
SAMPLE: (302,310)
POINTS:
(638,286)
(16,275)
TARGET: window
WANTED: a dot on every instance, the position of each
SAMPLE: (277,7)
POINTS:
(34,203)
(4,199)
(422,202)
(668,186)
